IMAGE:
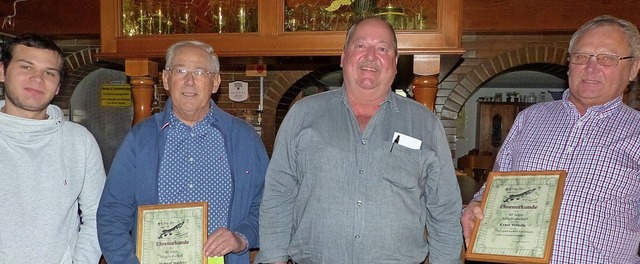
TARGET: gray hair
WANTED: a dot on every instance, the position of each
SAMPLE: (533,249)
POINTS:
(629,30)
(389,26)
(215,63)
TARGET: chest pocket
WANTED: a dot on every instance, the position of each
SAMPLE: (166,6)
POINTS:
(402,167)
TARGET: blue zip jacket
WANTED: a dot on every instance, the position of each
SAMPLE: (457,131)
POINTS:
(133,181)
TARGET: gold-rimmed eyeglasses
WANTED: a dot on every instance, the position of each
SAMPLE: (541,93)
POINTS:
(582,58)
(197,73)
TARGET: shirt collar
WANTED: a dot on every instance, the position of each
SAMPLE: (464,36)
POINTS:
(391,101)
(208,119)
(602,110)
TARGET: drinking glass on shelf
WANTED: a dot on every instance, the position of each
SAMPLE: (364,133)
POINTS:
(290,24)
(346,19)
(185,20)
(363,8)
(219,16)
(418,21)
(161,19)
(129,17)
(307,17)
(326,20)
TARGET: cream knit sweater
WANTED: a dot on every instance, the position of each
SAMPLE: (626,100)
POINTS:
(51,179)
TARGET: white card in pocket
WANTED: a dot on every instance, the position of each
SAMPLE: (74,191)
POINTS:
(406,141)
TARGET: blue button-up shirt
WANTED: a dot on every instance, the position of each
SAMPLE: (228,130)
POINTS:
(194,168)
(334,194)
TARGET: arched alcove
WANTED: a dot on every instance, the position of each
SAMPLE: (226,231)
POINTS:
(522,81)
(549,59)
(108,124)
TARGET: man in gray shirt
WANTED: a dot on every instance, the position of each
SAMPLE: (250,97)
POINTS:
(358,173)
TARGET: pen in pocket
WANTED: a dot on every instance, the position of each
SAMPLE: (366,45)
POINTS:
(395,141)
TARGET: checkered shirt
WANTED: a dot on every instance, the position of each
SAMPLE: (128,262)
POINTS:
(599,218)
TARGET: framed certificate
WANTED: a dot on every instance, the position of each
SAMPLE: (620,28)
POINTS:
(520,215)
(171,233)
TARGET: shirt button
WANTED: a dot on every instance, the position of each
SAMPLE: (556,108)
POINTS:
(364,142)
(357,236)
(191,159)
(190,185)
(361,171)
(359,203)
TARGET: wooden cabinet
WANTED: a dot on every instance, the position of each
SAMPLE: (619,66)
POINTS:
(272,39)
(494,122)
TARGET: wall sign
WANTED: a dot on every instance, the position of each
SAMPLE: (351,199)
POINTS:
(254,70)
(115,95)
(238,91)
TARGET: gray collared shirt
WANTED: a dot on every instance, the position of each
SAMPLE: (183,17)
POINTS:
(334,194)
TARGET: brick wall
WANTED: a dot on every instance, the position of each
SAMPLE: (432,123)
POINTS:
(80,61)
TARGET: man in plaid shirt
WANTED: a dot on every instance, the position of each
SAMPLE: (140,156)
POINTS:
(593,136)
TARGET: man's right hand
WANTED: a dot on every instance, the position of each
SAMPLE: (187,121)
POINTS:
(468,219)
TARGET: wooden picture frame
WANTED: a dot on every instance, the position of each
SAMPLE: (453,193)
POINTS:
(172,233)
(520,215)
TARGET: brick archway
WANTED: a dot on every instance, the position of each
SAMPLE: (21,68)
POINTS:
(80,64)
(311,79)
(274,92)
(281,94)
(495,65)
(520,58)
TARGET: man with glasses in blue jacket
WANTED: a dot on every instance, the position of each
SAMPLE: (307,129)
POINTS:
(191,152)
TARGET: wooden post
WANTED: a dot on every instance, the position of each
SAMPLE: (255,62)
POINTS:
(142,93)
(141,73)
(425,89)
(425,82)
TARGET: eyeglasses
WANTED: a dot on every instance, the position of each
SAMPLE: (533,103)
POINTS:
(582,58)
(196,73)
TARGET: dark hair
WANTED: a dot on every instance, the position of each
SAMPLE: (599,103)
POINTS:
(32,41)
